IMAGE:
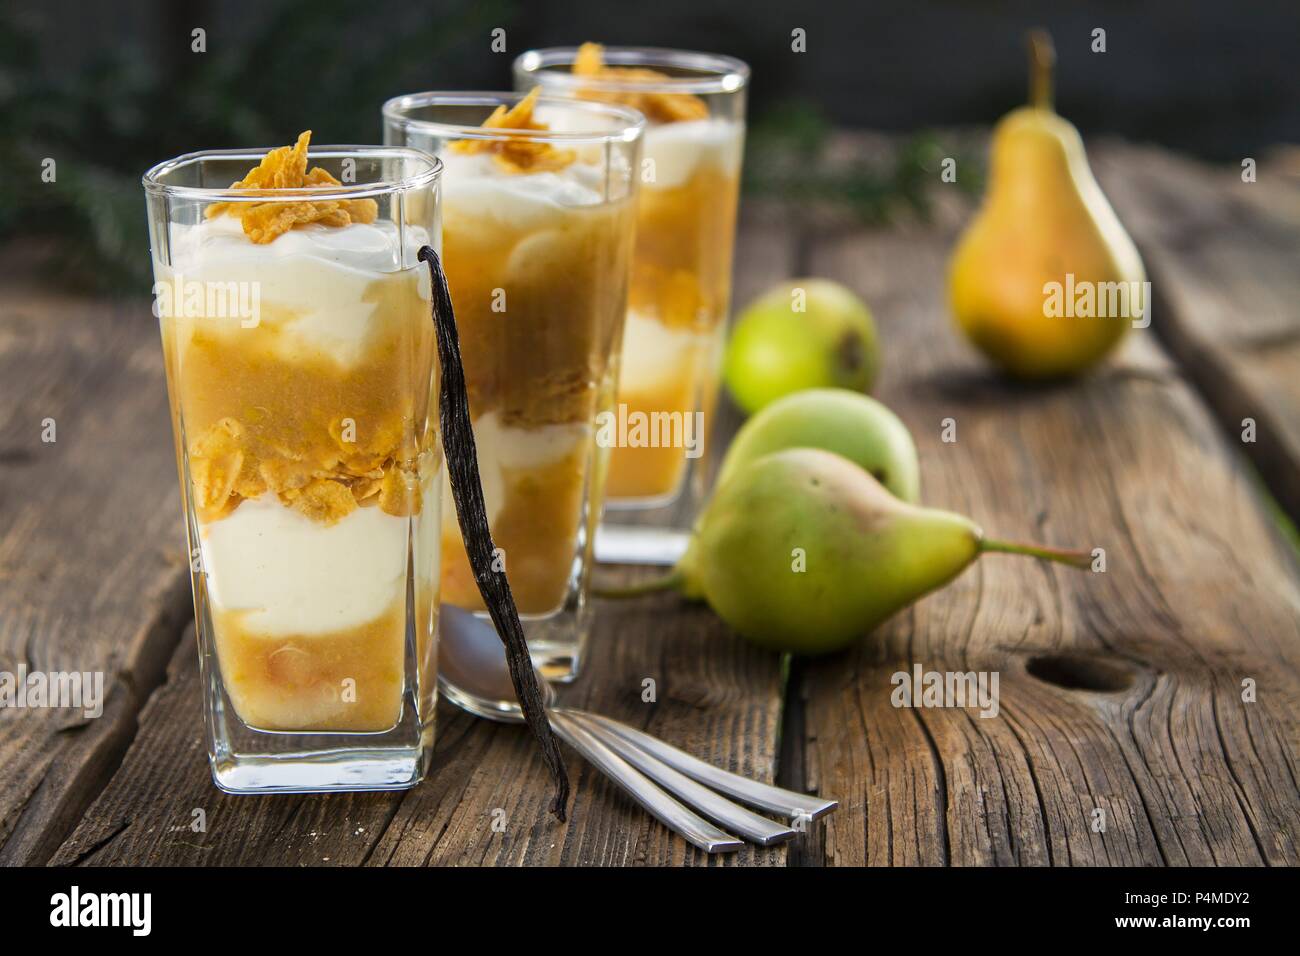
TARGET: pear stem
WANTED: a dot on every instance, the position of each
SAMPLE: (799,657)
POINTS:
(1042,60)
(1076,559)
(666,583)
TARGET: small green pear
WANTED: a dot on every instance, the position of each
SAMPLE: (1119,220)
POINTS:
(856,426)
(802,551)
(805,333)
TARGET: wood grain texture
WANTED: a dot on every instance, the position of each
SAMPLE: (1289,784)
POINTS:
(92,570)
(716,696)
(1138,710)
(1224,263)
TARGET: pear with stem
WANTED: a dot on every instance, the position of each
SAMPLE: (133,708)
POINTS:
(1045,281)
(803,551)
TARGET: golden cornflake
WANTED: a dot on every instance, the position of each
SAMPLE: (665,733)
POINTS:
(518,154)
(228,466)
(216,462)
(399,493)
(657,107)
(323,501)
(286,168)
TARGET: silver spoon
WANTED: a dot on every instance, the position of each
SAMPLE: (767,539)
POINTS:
(631,544)
(786,803)
(474,676)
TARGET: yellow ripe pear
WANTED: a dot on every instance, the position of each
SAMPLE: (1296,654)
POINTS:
(1045,280)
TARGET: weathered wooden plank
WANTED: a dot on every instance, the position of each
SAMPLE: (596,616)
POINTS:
(1224,261)
(716,696)
(92,576)
(1118,691)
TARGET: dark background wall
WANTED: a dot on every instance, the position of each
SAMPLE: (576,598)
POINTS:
(1213,77)
(107,88)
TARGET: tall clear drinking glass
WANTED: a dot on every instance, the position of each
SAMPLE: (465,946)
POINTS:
(681,270)
(302,373)
(537,236)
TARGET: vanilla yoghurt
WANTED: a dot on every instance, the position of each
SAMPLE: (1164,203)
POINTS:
(679,149)
(311,282)
(476,186)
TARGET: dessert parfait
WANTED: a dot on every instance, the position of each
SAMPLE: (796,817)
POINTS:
(681,271)
(301,370)
(537,239)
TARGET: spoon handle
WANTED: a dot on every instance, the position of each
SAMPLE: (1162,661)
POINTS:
(630,544)
(748,824)
(672,814)
(764,796)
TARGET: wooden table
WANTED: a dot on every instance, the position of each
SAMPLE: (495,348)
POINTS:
(1120,692)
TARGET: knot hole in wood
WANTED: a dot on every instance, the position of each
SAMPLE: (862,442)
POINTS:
(1077,672)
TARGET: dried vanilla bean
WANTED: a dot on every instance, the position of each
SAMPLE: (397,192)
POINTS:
(466,489)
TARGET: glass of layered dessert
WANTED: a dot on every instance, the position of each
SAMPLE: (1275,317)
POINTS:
(302,370)
(538,217)
(679,295)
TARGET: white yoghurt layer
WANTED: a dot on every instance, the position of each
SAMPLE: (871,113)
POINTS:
(679,149)
(654,354)
(296,576)
(502,450)
(311,282)
(473,185)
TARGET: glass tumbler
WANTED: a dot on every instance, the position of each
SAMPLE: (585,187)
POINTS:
(302,376)
(537,241)
(680,289)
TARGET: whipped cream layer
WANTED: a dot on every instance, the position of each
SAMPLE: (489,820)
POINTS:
(313,284)
(678,149)
(294,576)
(474,185)
(654,354)
(502,450)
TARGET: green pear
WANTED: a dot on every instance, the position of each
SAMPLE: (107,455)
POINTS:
(802,551)
(805,333)
(835,419)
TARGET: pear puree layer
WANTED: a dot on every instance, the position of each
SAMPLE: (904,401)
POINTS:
(349,680)
(536,265)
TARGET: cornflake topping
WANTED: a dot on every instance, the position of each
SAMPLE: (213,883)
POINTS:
(518,154)
(657,107)
(286,168)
